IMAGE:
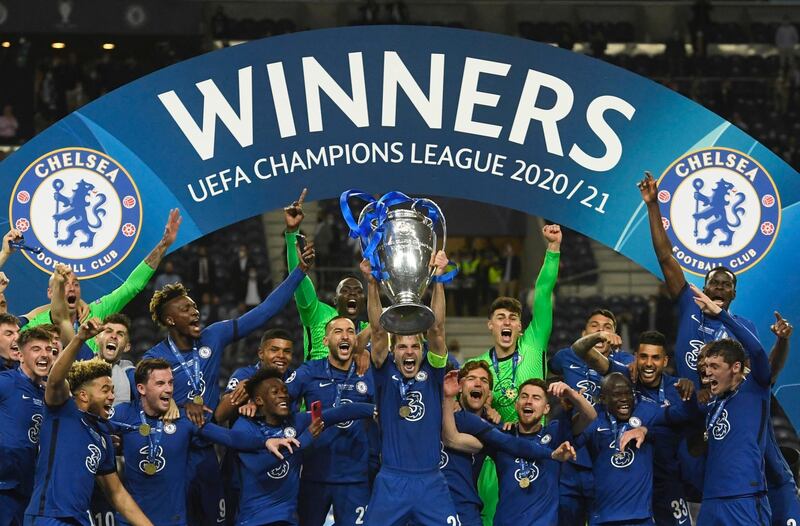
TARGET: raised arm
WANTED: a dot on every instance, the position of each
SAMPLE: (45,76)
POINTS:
(782,330)
(345,412)
(584,411)
(759,362)
(57,391)
(59,310)
(379,337)
(121,500)
(451,437)
(436,334)
(538,331)
(305,296)
(153,259)
(6,251)
(584,348)
(673,274)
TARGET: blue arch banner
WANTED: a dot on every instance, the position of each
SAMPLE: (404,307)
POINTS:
(427,111)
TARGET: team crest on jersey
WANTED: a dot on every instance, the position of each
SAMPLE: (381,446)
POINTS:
(635,422)
(289,432)
(546,439)
(81,207)
(421,376)
(170,428)
(33,431)
(291,377)
(719,207)
(93,458)
(721,427)
(204,352)
(361,387)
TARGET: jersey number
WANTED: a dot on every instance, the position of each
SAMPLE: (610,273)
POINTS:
(109,519)
(679,509)
(791,522)
(360,511)
(453,520)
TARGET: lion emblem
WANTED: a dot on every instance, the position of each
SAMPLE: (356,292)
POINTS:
(77,210)
(722,215)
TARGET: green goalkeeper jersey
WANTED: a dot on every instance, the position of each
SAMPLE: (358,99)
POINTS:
(531,346)
(111,303)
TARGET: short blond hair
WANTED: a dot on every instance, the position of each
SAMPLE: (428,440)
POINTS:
(84,371)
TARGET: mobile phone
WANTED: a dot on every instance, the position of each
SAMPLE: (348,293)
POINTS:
(316,410)
(301,242)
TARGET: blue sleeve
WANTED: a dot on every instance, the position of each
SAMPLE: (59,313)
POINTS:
(345,412)
(233,381)
(681,413)
(109,462)
(236,438)
(264,461)
(647,412)
(272,305)
(585,438)
(686,302)
(132,382)
(518,447)
(759,362)
(556,365)
(296,383)
(618,367)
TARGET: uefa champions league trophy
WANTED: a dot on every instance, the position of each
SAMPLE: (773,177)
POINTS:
(398,237)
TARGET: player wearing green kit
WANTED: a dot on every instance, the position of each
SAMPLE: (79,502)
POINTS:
(314,314)
(518,356)
(116,300)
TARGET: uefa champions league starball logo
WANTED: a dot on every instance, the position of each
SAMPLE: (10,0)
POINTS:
(81,207)
(719,207)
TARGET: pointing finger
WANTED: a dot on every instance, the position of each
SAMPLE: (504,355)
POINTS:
(302,197)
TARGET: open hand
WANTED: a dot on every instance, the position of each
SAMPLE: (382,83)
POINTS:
(564,452)
(172,226)
(89,329)
(705,303)
(636,435)
(274,446)
(451,384)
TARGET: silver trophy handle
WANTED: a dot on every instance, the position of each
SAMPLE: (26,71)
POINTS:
(444,226)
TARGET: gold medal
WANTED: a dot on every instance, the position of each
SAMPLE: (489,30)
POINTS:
(144,430)
(524,483)
(198,400)
(150,468)
(511,393)
(405,411)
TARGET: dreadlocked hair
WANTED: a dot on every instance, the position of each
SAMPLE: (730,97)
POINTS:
(84,371)
(163,296)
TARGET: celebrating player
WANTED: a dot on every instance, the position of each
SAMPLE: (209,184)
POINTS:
(9,350)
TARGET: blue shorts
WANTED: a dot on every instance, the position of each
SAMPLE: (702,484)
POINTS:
(575,493)
(750,510)
(33,520)
(349,502)
(784,504)
(12,508)
(205,504)
(670,508)
(400,497)
(469,514)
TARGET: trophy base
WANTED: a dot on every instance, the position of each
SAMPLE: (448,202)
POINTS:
(407,319)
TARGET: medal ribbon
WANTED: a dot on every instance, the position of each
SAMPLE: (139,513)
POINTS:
(524,465)
(404,387)
(339,386)
(153,437)
(614,429)
(715,413)
(514,364)
(194,373)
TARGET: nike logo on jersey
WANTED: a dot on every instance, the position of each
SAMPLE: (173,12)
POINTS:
(604,429)
(573,366)
(26,397)
(325,384)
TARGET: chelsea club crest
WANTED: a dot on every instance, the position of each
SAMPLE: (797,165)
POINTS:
(719,207)
(81,207)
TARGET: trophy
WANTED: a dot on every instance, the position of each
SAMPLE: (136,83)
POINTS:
(398,237)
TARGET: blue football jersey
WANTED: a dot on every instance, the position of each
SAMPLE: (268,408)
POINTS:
(21,413)
(342,456)
(623,480)
(579,376)
(536,504)
(462,470)
(413,442)
(213,339)
(695,330)
(737,425)
(75,447)
(270,485)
